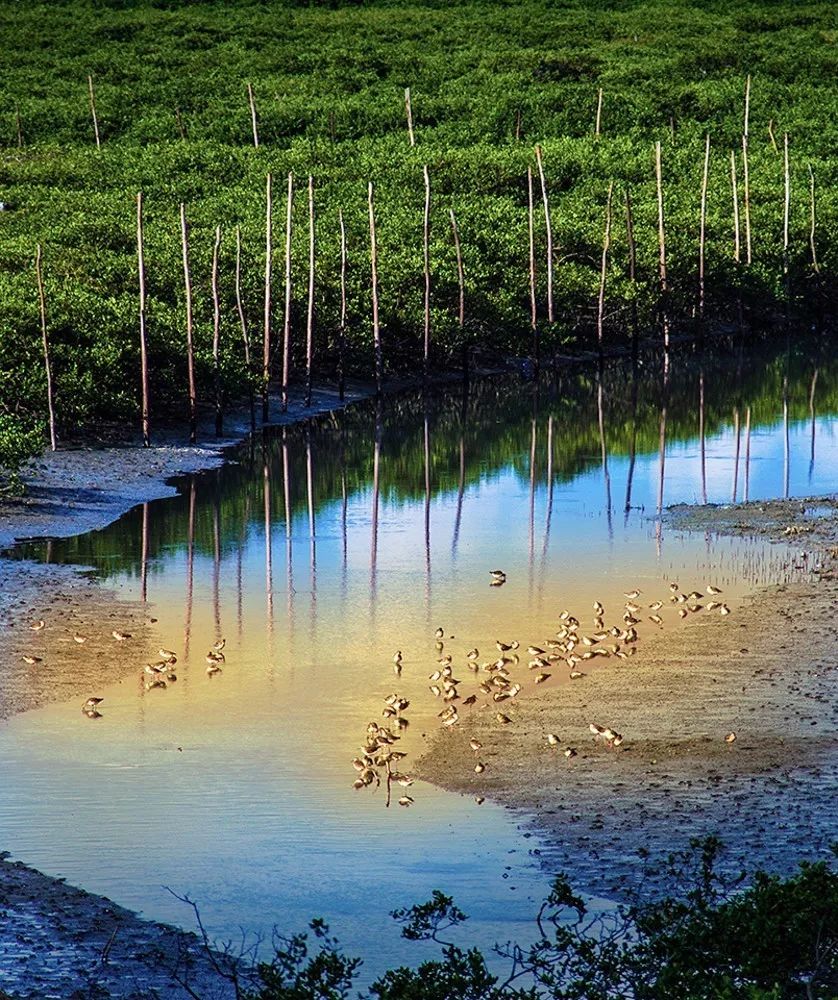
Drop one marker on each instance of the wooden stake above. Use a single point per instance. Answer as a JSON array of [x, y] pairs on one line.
[[812, 220], [531, 235], [747, 105], [243, 324], [266, 329], [376, 330], [409, 112], [426, 248], [216, 335], [747, 194], [701, 238], [662, 248], [286, 329], [606, 245], [19, 128], [342, 331], [190, 352], [786, 206], [632, 249], [517, 124], [42, 302], [735, 190], [180, 125], [598, 112], [253, 120], [93, 110], [310, 310], [549, 235], [143, 342], [461, 312], [747, 453]]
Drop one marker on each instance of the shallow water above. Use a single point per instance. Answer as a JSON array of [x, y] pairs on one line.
[[318, 553]]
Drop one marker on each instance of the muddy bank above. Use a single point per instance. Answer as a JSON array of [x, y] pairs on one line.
[[765, 672]]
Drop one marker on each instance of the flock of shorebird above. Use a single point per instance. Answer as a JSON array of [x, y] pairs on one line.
[[570, 647], [158, 674]]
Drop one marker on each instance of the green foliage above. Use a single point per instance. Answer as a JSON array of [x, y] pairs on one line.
[[711, 939], [170, 84]]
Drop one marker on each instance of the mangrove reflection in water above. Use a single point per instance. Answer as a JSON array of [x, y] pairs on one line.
[[237, 788]]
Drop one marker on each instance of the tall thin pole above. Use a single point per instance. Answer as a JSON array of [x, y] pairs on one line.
[[426, 258], [632, 249], [342, 331], [531, 236], [786, 208], [703, 229], [747, 453], [310, 309], [266, 329], [662, 248], [190, 350], [19, 127], [598, 130], [734, 186], [702, 436], [286, 329], [243, 324], [42, 302], [409, 112], [376, 330], [143, 342], [461, 312], [549, 235], [747, 198], [216, 335], [606, 245], [93, 110], [253, 121], [737, 438], [812, 220]]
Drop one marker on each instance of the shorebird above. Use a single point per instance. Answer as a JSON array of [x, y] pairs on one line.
[[80, 639], [596, 729], [406, 800], [503, 719], [32, 659], [656, 606], [479, 768], [504, 647], [632, 595], [535, 651], [540, 678], [570, 752], [724, 610], [497, 573], [397, 656], [475, 745], [656, 619], [576, 674], [213, 668], [552, 739], [730, 738], [38, 625], [121, 636], [219, 644], [472, 698], [440, 633], [92, 703], [214, 657], [167, 654], [473, 654], [713, 590]]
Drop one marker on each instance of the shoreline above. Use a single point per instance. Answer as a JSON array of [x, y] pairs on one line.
[[764, 672]]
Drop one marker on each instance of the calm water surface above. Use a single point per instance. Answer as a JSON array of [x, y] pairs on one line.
[[320, 551]]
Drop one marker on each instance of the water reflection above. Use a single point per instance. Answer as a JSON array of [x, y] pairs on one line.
[[400, 508]]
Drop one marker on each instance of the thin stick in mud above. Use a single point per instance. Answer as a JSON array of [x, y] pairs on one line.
[[426, 266], [461, 312], [310, 305], [142, 320], [93, 111], [190, 349], [662, 249], [266, 329], [549, 228], [606, 245], [216, 335], [812, 244], [342, 328], [703, 227], [598, 127], [286, 326], [531, 235], [243, 325], [42, 303], [409, 112], [253, 119], [734, 186], [376, 328]]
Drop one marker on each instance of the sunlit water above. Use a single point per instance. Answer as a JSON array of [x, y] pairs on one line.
[[382, 524]]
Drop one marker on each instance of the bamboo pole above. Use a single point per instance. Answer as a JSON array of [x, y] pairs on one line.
[[253, 121], [662, 248], [597, 130], [549, 235], [42, 302], [342, 330], [737, 249], [531, 235], [703, 231], [632, 250], [409, 112], [426, 259], [461, 312], [786, 208], [606, 245], [190, 351], [93, 110], [812, 244], [143, 341], [216, 335], [286, 329], [376, 330], [310, 307], [243, 324], [747, 198], [266, 329]]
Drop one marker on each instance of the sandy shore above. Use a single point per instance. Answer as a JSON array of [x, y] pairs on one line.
[[765, 672]]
